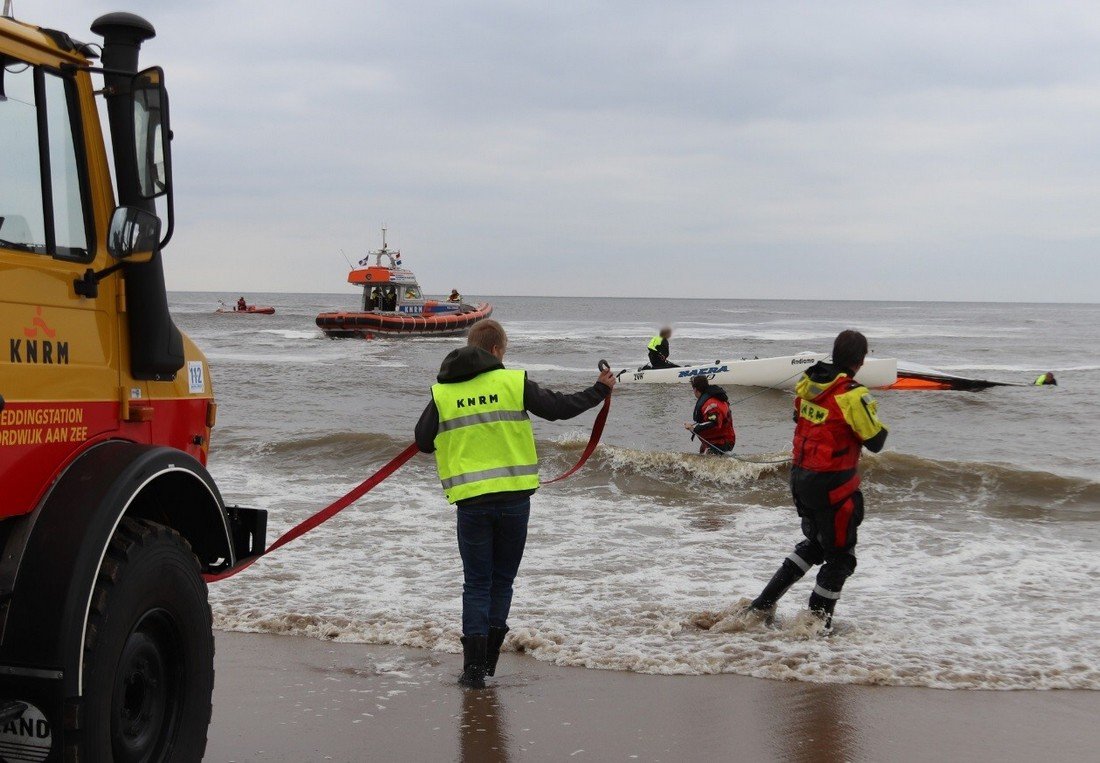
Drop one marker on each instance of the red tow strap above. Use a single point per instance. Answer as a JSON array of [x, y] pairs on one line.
[[593, 441], [376, 479]]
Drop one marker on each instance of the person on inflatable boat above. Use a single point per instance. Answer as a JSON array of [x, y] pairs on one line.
[[712, 418]]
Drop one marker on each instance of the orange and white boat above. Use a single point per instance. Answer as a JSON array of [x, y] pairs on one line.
[[393, 304]]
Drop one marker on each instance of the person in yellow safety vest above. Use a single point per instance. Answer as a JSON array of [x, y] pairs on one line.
[[477, 425], [658, 350], [1046, 380], [455, 296]]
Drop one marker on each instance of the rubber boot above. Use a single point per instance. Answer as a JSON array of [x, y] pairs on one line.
[[492, 654], [473, 662], [786, 576], [823, 607]]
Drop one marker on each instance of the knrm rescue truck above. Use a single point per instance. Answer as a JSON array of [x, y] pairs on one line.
[[108, 516]]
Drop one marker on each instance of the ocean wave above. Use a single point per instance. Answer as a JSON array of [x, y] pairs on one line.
[[519, 363], [992, 487], [686, 469], [331, 448], [266, 359], [294, 333], [897, 481], [894, 481]]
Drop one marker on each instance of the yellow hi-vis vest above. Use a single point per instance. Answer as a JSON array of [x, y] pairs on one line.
[[655, 342], [485, 442]]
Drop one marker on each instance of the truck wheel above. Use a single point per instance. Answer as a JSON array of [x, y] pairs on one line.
[[148, 650]]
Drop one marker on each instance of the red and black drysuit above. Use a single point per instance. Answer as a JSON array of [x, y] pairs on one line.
[[835, 419], [714, 421]]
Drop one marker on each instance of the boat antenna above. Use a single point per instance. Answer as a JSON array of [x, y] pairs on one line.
[[350, 266], [383, 237]]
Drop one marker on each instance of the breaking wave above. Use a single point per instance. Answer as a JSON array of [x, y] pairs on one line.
[[896, 481], [899, 481]]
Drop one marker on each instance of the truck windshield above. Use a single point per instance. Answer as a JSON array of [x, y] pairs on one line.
[[21, 220], [32, 97]]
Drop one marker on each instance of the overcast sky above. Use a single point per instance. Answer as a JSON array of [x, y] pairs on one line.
[[866, 150]]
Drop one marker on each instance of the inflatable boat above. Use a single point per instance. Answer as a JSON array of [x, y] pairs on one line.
[[777, 373], [366, 324], [393, 304], [249, 310]]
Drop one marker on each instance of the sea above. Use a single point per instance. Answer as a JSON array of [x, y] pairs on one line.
[[978, 561]]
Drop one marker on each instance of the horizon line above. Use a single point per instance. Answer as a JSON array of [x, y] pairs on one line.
[[694, 298]]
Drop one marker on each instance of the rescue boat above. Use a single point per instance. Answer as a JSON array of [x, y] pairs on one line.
[[778, 373], [393, 304]]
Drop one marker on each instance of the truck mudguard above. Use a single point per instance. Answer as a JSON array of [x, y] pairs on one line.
[[46, 592]]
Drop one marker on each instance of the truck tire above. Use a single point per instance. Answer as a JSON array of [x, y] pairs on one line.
[[148, 650]]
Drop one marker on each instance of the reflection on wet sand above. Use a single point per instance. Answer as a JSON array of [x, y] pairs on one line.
[[815, 724], [483, 732]]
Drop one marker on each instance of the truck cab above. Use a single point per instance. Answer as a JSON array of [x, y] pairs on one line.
[[108, 516]]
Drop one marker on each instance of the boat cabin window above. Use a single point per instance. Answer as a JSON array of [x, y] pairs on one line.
[[412, 292], [387, 298]]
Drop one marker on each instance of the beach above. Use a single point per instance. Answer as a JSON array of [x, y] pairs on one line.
[[286, 698]]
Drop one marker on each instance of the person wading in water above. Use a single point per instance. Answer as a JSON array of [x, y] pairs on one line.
[[712, 418], [477, 426], [836, 418]]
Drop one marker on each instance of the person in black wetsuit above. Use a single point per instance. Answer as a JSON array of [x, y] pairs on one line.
[[659, 350]]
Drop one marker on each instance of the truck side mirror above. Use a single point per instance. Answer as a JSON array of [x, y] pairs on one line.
[[152, 134], [134, 235]]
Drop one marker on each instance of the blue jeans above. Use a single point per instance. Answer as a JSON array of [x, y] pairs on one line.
[[491, 539]]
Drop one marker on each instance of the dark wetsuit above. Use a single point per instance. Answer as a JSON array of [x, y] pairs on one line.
[[658, 354]]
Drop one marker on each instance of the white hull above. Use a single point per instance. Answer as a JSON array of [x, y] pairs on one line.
[[779, 373]]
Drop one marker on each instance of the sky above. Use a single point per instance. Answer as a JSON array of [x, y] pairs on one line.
[[803, 150]]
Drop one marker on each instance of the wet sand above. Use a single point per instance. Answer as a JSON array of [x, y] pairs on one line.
[[281, 698]]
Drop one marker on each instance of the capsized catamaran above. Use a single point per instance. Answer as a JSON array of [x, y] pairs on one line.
[[777, 373], [918, 377]]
